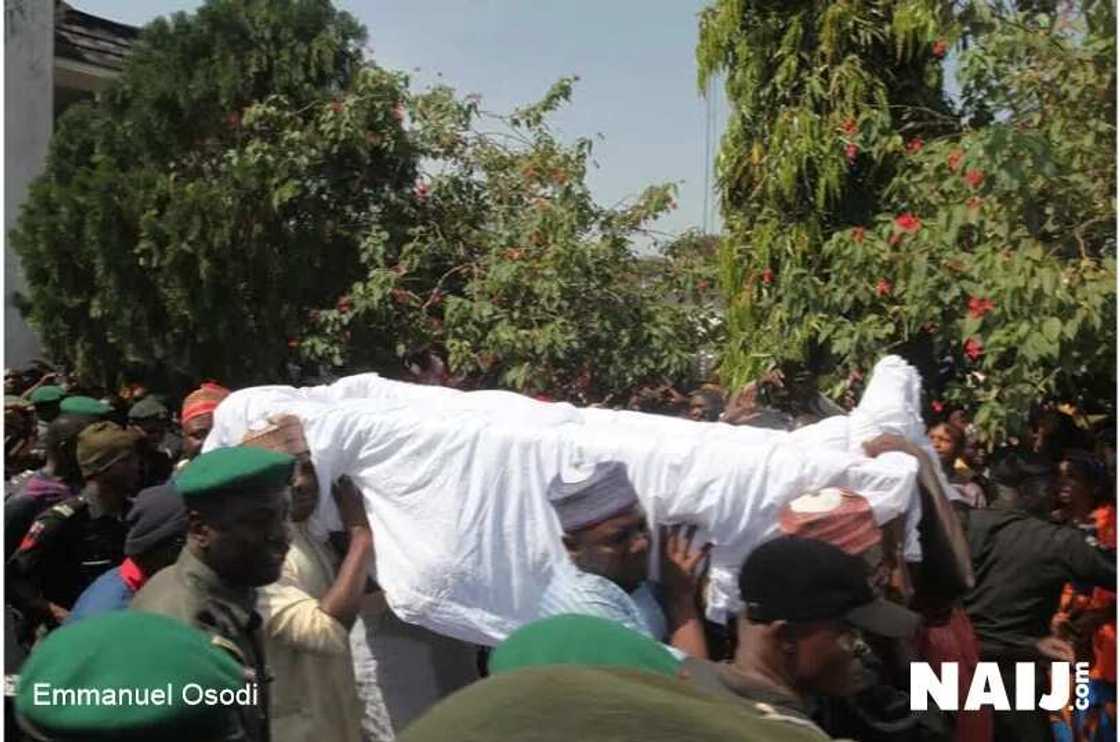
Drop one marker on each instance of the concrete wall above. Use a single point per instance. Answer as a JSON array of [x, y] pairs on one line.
[[28, 119]]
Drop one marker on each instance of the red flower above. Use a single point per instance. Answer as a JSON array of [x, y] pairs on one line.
[[702, 286], [858, 234], [849, 126], [974, 178], [344, 304], [955, 158], [914, 146], [421, 191], [978, 307], [768, 276], [233, 120], [939, 48], [908, 222], [937, 406], [851, 151], [973, 203], [973, 348], [293, 343], [884, 287]]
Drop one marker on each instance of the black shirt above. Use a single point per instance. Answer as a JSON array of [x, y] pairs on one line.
[[1021, 564], [67, 547]]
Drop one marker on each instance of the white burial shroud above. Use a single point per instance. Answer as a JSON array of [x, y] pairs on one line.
[[455, 482]]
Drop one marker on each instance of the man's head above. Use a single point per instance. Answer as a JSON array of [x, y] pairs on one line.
[[157, 528], [107, 457], [605, 530], [238, 505], [284, 433], [705, 405], [47, 400], [197, 417], [1024, 481], [61, 444], [806, 602], [149, 418]]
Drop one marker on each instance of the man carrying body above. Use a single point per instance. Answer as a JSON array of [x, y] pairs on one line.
[[72, 543], [309, 611], [237, 502], [607, 538]]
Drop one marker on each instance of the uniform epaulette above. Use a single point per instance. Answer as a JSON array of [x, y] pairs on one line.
[[67, 508]]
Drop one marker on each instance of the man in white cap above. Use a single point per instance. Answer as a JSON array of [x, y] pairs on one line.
[[607, 538]]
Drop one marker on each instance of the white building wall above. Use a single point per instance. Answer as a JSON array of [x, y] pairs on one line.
[[28, 120]]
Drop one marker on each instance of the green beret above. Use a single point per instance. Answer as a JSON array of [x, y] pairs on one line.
[[84, 406], [581, 640], [46, 394], [148, 408], [141, 652], [232, 469]]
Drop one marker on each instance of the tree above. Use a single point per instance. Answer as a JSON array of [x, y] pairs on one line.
[[224, 184], [249, 195], [510, 269], [868, 214]]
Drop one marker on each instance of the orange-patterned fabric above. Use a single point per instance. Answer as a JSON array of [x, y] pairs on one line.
[[202, 400]]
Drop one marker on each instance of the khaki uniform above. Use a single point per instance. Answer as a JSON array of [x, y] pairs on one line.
[[563, 703], [193, 593]]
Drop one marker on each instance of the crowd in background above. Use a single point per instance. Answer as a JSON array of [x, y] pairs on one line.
[[1018, 565]]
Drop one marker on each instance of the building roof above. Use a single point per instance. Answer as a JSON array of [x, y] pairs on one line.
[[91, 40]]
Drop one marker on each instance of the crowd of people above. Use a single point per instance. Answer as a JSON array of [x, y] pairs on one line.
[[135, 561]]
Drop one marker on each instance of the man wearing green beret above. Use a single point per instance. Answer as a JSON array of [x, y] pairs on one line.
[[238, 503], [129, 675], [47, 400], [149, 418], [70, 544]]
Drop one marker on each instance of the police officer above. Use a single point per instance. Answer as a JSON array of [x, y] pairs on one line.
[[238, 504], [69, 545]]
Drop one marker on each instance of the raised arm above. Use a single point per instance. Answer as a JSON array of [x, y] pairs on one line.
[[946, 568]]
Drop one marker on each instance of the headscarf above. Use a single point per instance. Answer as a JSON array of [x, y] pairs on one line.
[[202, 401]]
